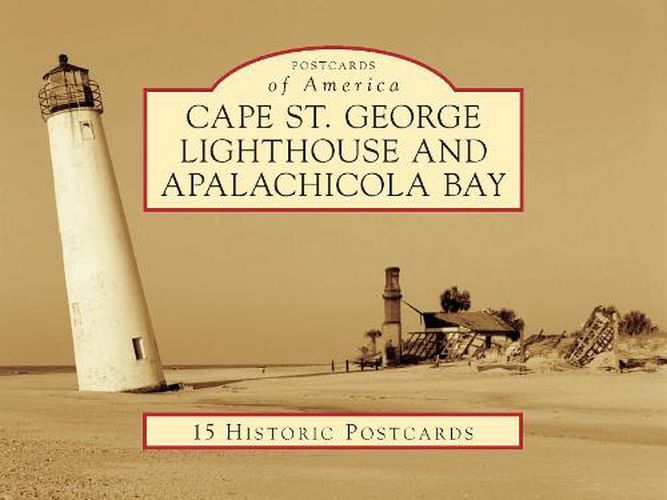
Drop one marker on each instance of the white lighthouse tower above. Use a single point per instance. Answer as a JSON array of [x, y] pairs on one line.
[[114, 345]]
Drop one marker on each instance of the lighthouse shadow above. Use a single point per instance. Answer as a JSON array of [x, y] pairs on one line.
[[219, 383], [214, 383]]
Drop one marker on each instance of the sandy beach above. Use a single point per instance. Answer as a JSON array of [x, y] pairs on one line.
[[589, 434]]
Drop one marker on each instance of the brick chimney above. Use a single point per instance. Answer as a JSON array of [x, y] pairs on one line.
[[391, 328]]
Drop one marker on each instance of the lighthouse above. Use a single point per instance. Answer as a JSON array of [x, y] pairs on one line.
[[114, 344]]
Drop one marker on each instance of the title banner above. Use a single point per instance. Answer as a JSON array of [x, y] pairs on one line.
[[333, 430], [333, 129]]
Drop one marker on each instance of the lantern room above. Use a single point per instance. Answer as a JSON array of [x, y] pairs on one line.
[[68, 87]]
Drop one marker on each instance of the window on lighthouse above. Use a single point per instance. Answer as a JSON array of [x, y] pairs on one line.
[[87, 131], [138, 345]]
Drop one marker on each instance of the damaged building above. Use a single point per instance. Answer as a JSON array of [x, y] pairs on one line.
[[476, 335], [453, 336], [445, 336]]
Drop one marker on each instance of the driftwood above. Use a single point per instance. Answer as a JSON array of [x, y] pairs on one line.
[[626, 364]]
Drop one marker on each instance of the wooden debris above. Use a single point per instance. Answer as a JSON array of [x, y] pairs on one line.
[[446, 347], [644, 364], [596, 336]]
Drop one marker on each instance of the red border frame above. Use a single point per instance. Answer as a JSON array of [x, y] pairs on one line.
[[310, 209], [332, 414]]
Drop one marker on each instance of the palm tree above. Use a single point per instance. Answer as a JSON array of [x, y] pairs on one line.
[[373, 335], [452, 300]]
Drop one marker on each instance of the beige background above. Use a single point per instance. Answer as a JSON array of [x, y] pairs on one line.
[[278, 288]]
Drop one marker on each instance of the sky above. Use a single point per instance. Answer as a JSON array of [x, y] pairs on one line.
[[290, 288]]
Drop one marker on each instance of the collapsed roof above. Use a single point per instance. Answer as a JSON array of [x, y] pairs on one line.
[[476, 321]]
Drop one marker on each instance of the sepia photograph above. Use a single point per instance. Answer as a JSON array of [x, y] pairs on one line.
[[317, 250]]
